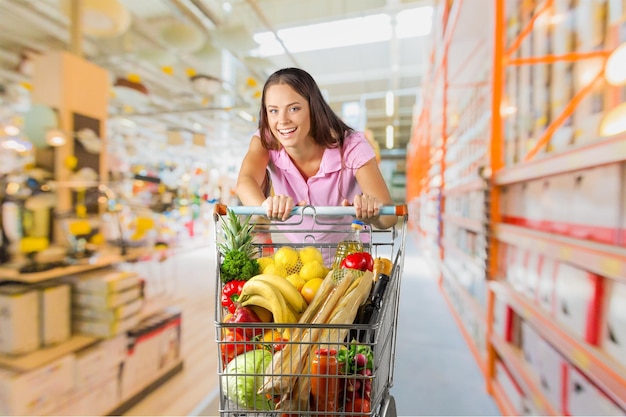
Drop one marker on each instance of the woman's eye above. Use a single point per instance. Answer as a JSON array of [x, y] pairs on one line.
[[294, 109], [272, 111]]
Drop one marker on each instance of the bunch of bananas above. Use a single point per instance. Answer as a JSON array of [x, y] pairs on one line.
[[276, 294]]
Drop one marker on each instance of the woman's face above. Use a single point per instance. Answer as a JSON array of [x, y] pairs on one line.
[[288, 115]]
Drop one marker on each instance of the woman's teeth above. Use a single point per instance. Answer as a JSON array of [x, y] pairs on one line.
[[286, 131]]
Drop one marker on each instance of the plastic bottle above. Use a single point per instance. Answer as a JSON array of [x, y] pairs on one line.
[[351, 244], [325, 381]]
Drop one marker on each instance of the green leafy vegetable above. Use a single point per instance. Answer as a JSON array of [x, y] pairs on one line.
[[356, 358], [237, 266], [244, 376]]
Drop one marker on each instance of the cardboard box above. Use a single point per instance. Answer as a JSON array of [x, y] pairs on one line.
[[36, 392], [20, 319], [533, 262], [106, 282], [583, 398], [578, 297], [55, 313], [596, 204], [117, 313], [545, 288], [551, 369], [510, 387], [105, 329], [556, 203], [103, 301], [613, 323]]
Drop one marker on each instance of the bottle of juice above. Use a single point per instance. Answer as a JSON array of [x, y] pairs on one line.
[[324, 381], [351, 244]]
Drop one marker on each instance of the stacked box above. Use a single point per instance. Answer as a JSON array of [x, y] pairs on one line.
[[36, 392], [106, 303], [55, 313], [19, 319], [153, 348]]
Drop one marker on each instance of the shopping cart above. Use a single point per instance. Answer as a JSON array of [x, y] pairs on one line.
[[377, 338]]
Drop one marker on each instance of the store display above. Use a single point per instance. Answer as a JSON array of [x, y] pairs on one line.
[[531, 257]]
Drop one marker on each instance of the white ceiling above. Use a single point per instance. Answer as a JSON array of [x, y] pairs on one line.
[[360, 73]]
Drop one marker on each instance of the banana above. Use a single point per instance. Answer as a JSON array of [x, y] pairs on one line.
[[263, 294], [291, 293]]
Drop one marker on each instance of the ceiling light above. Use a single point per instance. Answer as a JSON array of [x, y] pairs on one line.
[[246, 116], [346, 32], [11, 130], [55, 138], [389, 98], [235, 38], [389, 137], [615, 67], [614, 122]]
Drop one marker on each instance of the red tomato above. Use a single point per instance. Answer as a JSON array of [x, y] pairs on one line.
[[361, 261], [359, 405]]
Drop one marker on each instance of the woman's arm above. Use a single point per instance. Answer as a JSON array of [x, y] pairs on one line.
[[252, 174], [375, 194]]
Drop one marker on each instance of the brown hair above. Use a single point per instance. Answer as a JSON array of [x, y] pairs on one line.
[[327, 129]]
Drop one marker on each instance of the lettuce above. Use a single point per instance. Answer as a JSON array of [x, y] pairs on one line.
[[244, 376]]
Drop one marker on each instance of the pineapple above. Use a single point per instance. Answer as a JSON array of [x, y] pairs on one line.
[[237, 251]]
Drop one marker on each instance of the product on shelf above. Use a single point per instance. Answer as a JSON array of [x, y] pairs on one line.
[[20, 319]]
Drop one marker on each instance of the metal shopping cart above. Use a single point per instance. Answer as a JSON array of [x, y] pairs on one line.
[[241, 386]]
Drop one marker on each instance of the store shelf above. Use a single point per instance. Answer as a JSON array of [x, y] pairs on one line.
[[602, 152], [102, 260], [598, 367], [530, 386], [479, 356], [475, 184], [478, 310], [46, 355], [135, 398], [606, 260], [474, 225], [464, 256], [503, 402]]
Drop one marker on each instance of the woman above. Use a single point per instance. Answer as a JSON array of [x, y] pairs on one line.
[[312, 156]]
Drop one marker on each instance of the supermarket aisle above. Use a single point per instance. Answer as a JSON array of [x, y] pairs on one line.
[[435, 372]]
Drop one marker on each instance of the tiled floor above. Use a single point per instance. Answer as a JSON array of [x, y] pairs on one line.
[[435, 373]]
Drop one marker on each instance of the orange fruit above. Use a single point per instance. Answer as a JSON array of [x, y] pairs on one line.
[[309, 289]]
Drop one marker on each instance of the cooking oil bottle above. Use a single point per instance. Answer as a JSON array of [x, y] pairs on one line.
[[351, 244]]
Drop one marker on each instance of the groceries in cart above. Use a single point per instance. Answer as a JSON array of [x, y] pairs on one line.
[[295, 334]]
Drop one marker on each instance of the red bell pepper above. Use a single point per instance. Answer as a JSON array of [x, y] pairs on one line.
[[361, 261], [230, 294], [234, 343]]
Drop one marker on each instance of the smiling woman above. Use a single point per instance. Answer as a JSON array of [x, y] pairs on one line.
[[312, 156]]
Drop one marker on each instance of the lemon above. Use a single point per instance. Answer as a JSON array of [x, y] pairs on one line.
[[309, 254], [264, 262], [274, 269], [296, 280], [288, 258], [309, 289], [313, 269]]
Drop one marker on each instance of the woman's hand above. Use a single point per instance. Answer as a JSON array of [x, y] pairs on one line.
[[366, 207], [279, 207]]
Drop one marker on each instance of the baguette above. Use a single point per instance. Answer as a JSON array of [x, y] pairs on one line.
[[288, 363], [346, 309]]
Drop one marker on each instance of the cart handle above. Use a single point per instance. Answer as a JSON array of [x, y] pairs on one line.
[[221, 209]]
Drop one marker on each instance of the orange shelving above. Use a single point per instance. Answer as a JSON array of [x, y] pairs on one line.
[[478, 139]]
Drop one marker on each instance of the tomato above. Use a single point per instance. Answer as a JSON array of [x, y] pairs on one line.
[[234, 344], [359, 405], [361, 261]]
